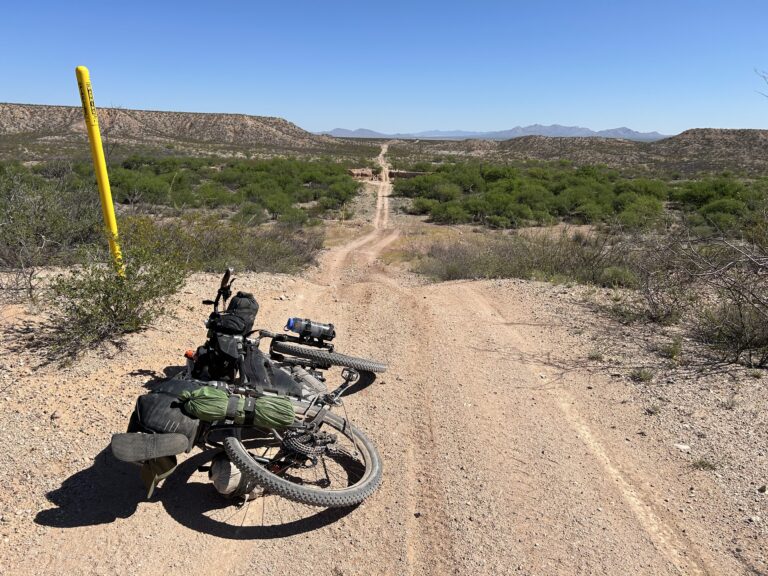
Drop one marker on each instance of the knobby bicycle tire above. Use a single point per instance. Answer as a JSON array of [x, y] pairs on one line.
[[369, 480], [332, 358]]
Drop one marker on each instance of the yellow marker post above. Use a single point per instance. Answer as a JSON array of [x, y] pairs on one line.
[[99, 165]]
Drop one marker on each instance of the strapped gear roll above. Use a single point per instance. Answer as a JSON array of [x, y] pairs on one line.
[[211, 404]]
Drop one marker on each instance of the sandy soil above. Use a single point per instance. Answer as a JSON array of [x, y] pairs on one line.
[[501, 455]]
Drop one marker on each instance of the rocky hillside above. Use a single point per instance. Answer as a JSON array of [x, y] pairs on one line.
[[691, 152], [36, 130]]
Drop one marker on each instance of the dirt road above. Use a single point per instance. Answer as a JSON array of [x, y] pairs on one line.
[[500, 457]]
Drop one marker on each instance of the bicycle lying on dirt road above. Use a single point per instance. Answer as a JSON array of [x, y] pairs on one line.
[[267, 416]]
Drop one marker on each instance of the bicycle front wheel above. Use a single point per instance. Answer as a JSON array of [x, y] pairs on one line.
[[329, 358]]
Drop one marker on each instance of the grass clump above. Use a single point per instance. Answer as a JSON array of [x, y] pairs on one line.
[[704, 464], [673, 349], [641, 375]]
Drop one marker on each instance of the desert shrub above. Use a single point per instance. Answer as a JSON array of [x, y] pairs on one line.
[[618, 277], [93, 303], [42, 222], [450, 213], [277, 185], [566, 257], [421, 206], [293, 217], [250, 214], [209, 243], [643, 187], [508, 197], [736, 329], [665, 292], [640, 213]]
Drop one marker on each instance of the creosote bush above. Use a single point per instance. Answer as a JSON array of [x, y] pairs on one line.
[[42, 223], [595, 259], [92, 302], [736, 330]]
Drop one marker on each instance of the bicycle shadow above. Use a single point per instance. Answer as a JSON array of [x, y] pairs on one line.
[[191, 502], [365, 380], [156, 378], [110, 489], [100, 494]]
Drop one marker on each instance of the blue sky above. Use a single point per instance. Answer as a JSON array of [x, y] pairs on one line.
[[402, 66]]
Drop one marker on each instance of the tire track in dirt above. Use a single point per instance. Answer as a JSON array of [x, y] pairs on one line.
[[426, 406], [665, 536], [427, 539]]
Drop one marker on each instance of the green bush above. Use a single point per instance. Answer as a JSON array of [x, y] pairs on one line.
[[737, 330], [507, 197], [42, 223], [422, 206], [93, 303], [544, 257], [618, 277], [641, 213], [277, 185], [450, 213]]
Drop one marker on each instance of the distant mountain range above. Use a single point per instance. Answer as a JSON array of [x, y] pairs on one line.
[[555, 130], [39, 132]]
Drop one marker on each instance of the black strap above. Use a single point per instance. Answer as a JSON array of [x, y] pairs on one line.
[[232, 405], [249, 409]]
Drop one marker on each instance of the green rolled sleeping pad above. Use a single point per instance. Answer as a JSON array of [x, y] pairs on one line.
[[215, 405]]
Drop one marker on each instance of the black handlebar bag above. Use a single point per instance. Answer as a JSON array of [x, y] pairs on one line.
[[239, 316]]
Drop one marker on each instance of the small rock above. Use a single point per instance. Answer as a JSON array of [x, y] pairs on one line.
[[417, 514], [755, 519], [683, 447], [762, 489], [55, 415]]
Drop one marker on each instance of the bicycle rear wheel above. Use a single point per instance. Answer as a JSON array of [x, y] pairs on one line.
[[314, 471]]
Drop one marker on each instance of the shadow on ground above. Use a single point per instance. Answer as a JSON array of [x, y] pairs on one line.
[[111, 489], [194, 504], [155, 378], [108, 490]]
